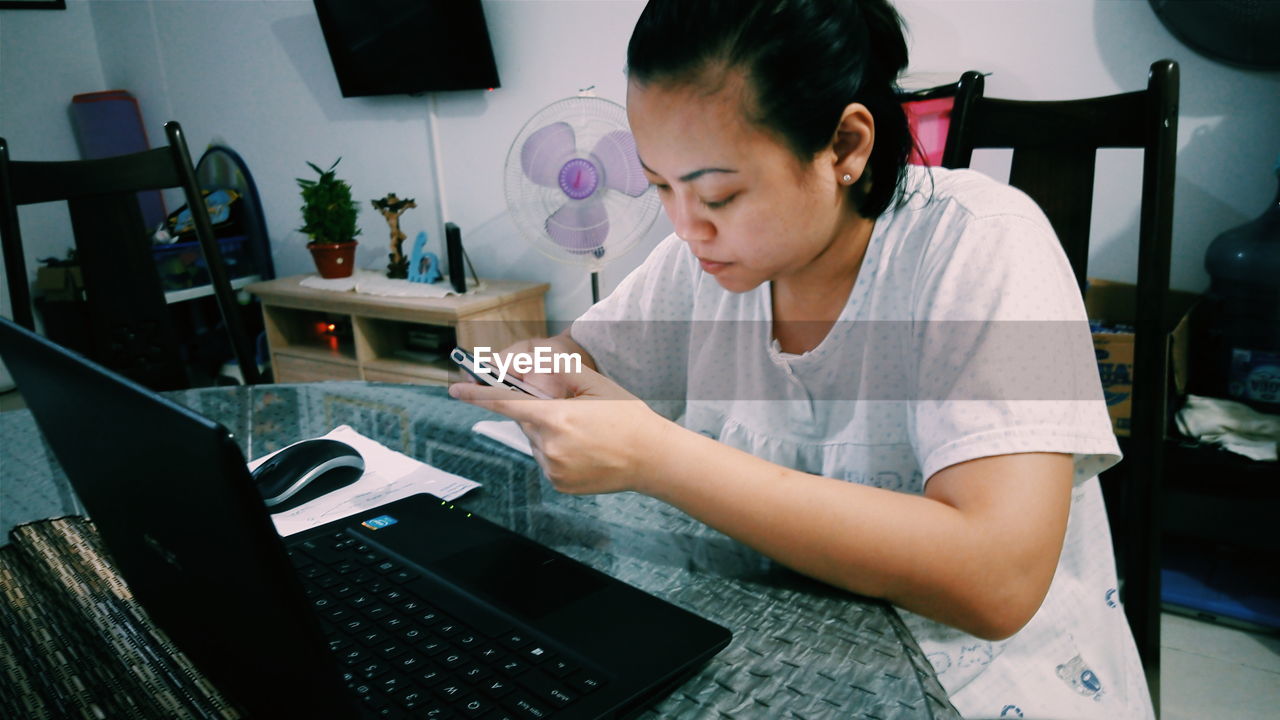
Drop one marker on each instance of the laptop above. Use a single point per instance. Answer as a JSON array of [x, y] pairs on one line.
[[412, 609]]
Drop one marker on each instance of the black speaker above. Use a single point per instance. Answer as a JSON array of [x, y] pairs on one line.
[[453, 246]]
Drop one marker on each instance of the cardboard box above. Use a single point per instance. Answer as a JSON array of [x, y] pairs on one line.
[[60, 284], [1115, 303]]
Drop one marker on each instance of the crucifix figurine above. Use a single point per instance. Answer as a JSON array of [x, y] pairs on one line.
[[392, 208]]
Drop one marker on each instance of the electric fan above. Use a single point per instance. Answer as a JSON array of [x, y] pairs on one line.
[[574, 185]]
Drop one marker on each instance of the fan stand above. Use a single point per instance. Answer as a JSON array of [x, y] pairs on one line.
[[598, 254]]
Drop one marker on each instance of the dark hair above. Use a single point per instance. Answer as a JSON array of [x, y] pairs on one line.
[[805, 60]]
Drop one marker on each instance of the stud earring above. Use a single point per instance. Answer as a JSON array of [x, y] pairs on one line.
[[846, 179]]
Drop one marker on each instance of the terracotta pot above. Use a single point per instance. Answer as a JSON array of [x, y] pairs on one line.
[[334, 260]]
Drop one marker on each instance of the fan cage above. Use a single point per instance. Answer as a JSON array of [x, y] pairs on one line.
[[531, 204]]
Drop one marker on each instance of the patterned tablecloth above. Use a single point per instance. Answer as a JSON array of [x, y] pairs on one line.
[[801, 649]]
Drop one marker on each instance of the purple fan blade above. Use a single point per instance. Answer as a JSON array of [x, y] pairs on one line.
[[545, 151], [617, 154], [579, 227]]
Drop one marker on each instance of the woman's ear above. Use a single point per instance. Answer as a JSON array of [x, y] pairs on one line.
[[852, 143]]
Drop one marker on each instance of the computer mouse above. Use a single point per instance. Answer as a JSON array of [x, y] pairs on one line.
[[306, 470]]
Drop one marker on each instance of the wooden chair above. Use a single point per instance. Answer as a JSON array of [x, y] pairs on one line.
[[1055, 147], [130, 325]]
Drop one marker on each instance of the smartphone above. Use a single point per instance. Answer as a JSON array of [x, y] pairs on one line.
[[468, 363]]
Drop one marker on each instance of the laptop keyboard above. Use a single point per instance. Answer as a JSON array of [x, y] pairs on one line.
[[405, 658]]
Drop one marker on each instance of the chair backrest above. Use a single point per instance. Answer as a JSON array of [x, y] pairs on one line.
[[130, 324], [1055, 146]]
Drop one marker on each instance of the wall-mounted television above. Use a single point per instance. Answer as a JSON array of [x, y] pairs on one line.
[[393, 47]]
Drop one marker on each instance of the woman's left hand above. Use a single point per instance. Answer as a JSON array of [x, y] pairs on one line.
[[597, 439]]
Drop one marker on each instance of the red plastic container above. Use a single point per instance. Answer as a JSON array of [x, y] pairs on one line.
[[929, 120]]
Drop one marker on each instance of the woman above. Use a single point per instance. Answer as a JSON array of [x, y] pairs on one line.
[[876, 375]]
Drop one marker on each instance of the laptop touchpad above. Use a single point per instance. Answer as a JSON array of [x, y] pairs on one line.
[[521, 577]]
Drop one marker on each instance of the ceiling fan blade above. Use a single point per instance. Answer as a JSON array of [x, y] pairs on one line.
[[545, 151], [579, 227], [622, 170]]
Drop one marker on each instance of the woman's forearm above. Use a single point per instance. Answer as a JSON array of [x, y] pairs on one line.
[[976, 552], [919, 553]]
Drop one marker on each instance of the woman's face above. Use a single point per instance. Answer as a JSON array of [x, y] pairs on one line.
[[748, 209]]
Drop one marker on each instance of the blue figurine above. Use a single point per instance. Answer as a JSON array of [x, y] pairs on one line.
[[424, 267]]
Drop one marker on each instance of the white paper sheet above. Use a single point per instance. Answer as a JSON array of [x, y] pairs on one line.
[[507, 432], [388, 476]]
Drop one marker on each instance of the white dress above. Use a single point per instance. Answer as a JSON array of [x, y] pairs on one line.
[[964, 336]]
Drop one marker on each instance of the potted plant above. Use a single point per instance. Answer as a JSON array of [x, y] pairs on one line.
[[329, 221]]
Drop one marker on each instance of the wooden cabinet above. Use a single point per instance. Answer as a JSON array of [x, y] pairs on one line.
[[328, 335]]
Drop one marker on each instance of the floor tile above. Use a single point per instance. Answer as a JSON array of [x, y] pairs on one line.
[[1256, 650], [1198, 687]]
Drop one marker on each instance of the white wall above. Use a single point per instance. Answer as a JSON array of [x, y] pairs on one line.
[[1228, 129], [256, 75], [546, 50]]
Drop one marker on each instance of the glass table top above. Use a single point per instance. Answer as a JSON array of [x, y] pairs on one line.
[[800, 648]]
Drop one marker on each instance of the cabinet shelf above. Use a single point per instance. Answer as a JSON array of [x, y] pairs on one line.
[[338, 357], [427, 373], [330, 335]]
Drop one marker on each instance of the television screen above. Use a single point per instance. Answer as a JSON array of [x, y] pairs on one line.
[[392, 47]]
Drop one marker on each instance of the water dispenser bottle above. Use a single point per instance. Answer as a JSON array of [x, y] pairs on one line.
[[1243, 306]]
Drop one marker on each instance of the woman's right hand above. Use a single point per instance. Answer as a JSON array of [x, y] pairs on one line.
[[594, 438], [552, 384]]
